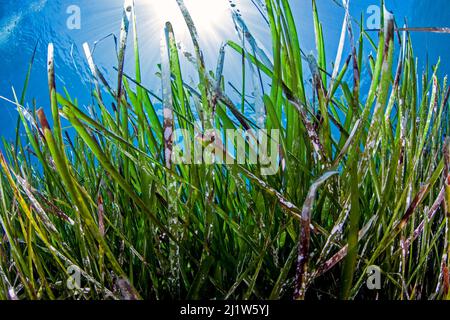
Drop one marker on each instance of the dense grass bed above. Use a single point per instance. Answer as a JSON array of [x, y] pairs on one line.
[[363, 177]]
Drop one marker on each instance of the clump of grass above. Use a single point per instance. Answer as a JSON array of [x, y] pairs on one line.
[[364, 178]]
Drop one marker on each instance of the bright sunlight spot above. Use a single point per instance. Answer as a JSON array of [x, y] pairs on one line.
[[211, 17]]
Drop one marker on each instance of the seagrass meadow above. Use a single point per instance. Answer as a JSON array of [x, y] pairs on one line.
[[92, 207]]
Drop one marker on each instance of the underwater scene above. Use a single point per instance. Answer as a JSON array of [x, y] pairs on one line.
[[224, 150]]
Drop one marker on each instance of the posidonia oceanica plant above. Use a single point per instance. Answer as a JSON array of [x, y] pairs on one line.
[[93, 205]]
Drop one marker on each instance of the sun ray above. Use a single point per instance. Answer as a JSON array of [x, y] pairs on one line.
[[212, 18]]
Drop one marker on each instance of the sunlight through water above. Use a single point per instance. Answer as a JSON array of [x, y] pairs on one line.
[[212, 18], [28, 23]]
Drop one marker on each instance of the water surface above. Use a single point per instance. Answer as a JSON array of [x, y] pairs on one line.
[[27, 23]]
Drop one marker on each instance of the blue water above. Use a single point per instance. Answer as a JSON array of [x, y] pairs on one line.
[[25, 23]]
